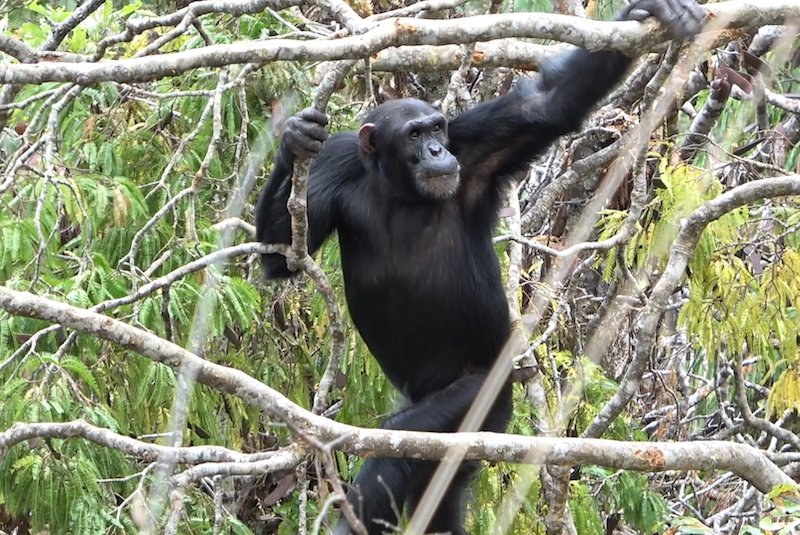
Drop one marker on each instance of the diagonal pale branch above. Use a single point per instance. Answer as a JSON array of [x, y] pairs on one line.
[[741, 459], [593, 35]]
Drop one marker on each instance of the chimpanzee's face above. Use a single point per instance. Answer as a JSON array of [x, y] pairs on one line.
[[410, 139]]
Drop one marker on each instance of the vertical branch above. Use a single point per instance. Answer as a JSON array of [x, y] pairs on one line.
[[297, 204], [555, 488], [514, 253], [457, 91], [337, 335], [218, 504], [301, 473], [297, 256]]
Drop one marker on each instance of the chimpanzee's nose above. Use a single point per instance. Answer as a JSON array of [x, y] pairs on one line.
[[435, 149]]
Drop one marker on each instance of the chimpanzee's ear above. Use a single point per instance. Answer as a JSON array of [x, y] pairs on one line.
[[365, 135]]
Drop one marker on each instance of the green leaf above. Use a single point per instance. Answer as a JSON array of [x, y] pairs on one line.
[[80, 369]]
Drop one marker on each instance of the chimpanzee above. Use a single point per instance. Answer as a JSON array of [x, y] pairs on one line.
[[415, 199]]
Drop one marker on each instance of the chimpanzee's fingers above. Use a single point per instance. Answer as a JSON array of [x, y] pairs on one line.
[[683, 18], [302, 145], [695, 15], [306, 128], [638, 14], [686, 17], [313, 115]]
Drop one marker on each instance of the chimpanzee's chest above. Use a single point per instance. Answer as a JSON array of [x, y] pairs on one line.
[[423, 287], [424, 252]]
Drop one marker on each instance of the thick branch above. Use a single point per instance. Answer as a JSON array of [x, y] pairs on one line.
[[593, 35], [741, 459], [502, 52]]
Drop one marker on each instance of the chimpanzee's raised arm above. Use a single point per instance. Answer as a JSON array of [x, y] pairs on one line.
[[498, 138], [501, 137]]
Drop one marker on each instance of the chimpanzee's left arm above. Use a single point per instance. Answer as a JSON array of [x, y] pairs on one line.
[[499, 138]]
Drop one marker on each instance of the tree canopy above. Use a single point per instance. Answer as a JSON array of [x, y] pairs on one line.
[[151, 381]]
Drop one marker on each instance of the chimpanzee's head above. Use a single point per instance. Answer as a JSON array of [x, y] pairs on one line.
[[407, 140]]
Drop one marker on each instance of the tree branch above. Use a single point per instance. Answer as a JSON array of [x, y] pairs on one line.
[[499, 53], [745, 461], [593, 35], [681, 252], [139, 449]]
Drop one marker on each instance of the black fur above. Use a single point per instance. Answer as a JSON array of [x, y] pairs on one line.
[[422, 282]]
